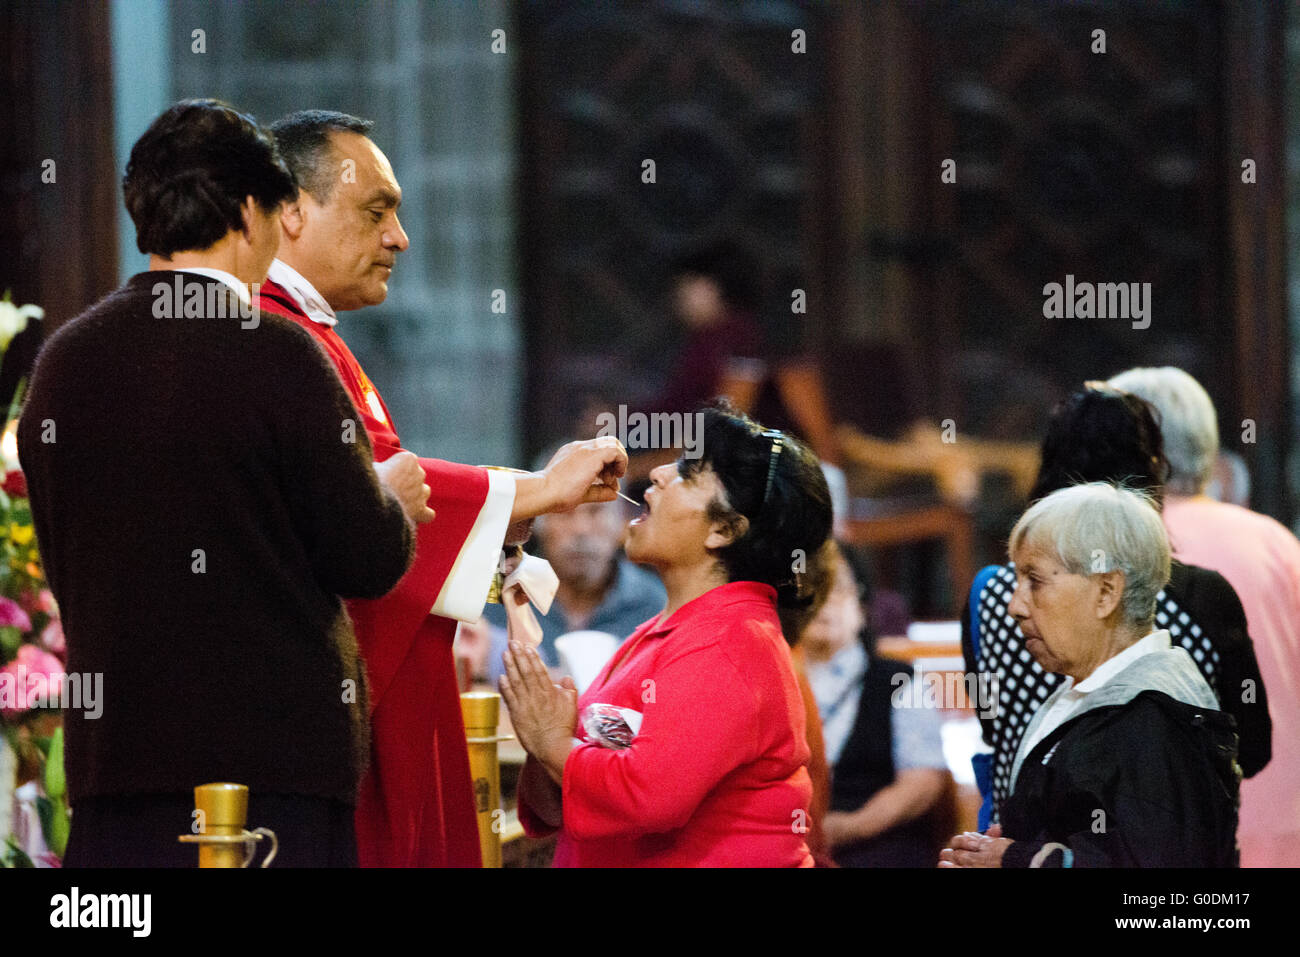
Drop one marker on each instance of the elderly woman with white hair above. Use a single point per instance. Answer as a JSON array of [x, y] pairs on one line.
[[1260, 558], [1130, 762]]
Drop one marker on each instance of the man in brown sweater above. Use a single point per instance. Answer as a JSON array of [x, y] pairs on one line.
[[202, 498]]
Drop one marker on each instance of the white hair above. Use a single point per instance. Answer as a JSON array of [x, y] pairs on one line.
[[1187, 420], [1096, 528]]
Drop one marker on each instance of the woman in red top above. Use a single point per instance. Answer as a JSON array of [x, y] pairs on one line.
[[689, 748]]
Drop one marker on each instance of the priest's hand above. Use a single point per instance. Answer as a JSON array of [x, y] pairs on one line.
[[580, 472], [402, 475], [542, 713]]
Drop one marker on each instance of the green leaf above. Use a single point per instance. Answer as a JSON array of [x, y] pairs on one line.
[[15, 857], [10, 639], [17, 404], [60, 827], [55, 784], [45, 810]]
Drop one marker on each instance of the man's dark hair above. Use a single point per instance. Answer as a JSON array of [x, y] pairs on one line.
[[1102, 435], [189, 173], [785, 523], [304, 141]]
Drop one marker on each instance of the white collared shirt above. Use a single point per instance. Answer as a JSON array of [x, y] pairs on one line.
[[1074, 696], [837, 687], [241, 289], [303, 292]]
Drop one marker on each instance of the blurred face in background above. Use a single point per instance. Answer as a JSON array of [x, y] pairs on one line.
[[699, 301], [582, 545], [841, 619]]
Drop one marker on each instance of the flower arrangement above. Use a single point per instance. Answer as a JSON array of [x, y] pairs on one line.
[[34, 817]]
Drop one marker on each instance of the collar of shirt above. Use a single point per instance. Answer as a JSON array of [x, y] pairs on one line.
[[241, 290], [831, 680], [1156, 641], [713, 600], [303, 292]]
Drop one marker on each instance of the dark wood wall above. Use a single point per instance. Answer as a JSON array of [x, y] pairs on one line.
[[717, 96], [59, 245], [1123, 166], [926, 298]]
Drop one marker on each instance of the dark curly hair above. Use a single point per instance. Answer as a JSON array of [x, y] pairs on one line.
[[1101, 434], [779, 528], [189, 173]]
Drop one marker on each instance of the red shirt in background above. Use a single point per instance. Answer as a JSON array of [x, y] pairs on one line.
[[716, 775]]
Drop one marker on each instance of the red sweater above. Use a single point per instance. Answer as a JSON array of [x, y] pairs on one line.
[[716, 775]]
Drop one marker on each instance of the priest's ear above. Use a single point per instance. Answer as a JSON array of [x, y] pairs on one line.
[[292, 220]]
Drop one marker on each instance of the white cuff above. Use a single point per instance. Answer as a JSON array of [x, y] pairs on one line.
[[464, 593]]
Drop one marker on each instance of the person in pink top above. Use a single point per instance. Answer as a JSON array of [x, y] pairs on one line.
[[689, 748], [1260, 558]]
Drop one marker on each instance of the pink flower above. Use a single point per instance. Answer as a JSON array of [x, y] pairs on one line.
[[52, 638], [29, 681], [41, 601], [12, 615]]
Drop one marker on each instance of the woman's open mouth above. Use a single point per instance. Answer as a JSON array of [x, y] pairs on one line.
[[642, 515]]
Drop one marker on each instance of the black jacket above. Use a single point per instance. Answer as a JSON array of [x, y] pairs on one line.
[[1200, 610], [1149, 783]]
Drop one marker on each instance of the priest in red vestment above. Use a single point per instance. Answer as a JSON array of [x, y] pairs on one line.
[[340, 240]]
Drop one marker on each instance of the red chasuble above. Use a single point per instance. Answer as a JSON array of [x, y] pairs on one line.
[[416, 805]]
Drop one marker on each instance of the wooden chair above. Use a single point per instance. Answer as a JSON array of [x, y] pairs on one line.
[[953, 468]]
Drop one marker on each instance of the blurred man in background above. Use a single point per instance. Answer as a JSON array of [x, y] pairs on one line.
[[599, 590]]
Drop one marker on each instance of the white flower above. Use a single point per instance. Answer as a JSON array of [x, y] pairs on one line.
[[13, 320]]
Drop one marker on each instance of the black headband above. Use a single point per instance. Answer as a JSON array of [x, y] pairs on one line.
[[777, 438]]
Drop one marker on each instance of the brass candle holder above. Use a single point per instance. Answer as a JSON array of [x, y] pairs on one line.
[[220, 812], [481, 711]]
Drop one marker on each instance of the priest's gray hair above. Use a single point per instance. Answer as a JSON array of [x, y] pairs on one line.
[[1187, 420], [1096, 528]]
